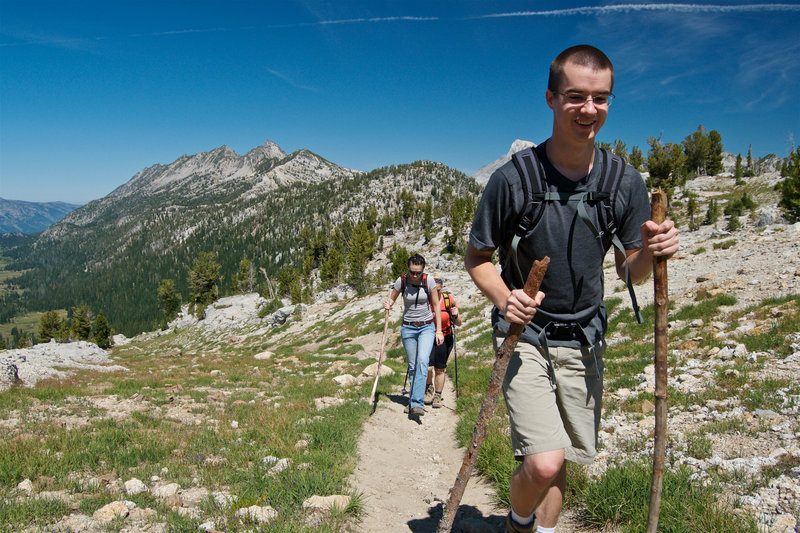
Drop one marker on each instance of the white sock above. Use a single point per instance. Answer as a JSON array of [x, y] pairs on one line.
[[521, 520], [540, 529]]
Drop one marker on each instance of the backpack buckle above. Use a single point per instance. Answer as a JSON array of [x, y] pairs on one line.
[[562, 331]]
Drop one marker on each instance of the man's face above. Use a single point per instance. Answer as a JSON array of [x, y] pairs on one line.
[[579, 122]]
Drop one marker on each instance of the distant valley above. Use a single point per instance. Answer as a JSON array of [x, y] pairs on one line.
[[17, 216]]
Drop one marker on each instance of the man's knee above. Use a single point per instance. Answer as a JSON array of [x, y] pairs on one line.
[[543, 467]]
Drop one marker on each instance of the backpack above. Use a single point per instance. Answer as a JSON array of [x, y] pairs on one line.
[[532, 176], [424, 285], [447, 303]]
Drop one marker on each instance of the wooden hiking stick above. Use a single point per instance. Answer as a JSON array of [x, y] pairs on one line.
[[380, 358], [455, 354], [503, 355], [658, 214]]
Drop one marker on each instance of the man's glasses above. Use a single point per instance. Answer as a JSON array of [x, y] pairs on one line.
[[580, 99], [413, 273]]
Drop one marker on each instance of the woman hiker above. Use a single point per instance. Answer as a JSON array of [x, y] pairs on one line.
[[441, 352], [418, 331]]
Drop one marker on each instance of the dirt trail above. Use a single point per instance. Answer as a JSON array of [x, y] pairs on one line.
[[406, 469]]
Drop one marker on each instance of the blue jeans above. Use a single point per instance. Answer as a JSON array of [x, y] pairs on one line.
[[418, 342]]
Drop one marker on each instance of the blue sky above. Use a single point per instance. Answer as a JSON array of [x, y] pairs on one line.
[[92, 92]]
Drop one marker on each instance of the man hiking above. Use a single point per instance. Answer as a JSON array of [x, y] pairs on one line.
[[553, 387]]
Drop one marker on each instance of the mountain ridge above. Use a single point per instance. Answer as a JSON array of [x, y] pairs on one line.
[[113, 252]]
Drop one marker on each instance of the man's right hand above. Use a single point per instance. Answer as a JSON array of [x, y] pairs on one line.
[[520, 308]]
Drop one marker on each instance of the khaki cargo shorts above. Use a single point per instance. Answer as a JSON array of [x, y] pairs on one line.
[[545, 418]]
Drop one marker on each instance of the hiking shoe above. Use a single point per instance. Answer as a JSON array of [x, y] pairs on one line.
[[437, 400], [513, 527], [429, 394], [417, 411]]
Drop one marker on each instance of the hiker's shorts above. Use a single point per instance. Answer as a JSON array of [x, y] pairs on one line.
[[545, 418], [441, 353]]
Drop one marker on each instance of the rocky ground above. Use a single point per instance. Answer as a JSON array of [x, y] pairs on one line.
[[406, 468]]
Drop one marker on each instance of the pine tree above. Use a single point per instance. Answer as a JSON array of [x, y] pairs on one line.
[[790, 188], [712, 214], [691, 211], [244, 280], [733, 223], [696, 147], [620, 149], [81, 323], [398, 255], [362, 245], [203, 280], [737, 170], [49, 325], [169, 301], [101, 331], [637, 160], [713, 161], [63, 332], [664, 162], [330, 270]]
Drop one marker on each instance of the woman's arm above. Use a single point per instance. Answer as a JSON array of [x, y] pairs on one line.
[[387, 304]]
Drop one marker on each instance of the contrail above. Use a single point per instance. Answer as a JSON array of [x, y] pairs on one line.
[[377, 19], [673, 8], [290, 81]]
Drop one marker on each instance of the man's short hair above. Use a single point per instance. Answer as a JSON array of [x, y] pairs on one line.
[[416, 259], [584, 55]]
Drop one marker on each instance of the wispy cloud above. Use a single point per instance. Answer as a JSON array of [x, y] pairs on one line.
[[182, 32], [772, 77], [365, 20], [627, 8], [291, 81], [378, 19]]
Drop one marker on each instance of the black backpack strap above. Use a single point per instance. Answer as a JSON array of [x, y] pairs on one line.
[[613, 170], [531, 176]]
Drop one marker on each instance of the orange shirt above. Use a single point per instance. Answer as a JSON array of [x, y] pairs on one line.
[[446, 327]]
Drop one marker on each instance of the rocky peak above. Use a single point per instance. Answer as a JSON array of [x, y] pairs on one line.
[[485, 172], [268, 150]]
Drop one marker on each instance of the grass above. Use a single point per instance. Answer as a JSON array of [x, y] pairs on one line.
[[724, 245], [27, 323], [777, 337], [215, 383], [272, 403], [706, 309], [621, 497]]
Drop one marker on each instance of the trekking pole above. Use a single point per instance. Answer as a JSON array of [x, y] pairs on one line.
[[380, 358], [658, 214], [455, 355], [503, 355]]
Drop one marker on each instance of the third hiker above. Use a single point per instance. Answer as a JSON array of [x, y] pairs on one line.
[[441, 352]]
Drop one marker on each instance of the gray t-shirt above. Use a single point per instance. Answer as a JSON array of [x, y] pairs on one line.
[[417, 307], [573, 285]]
